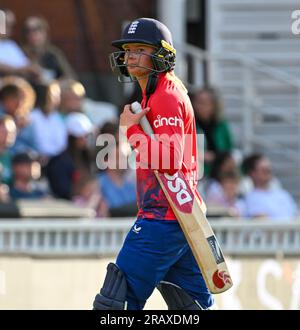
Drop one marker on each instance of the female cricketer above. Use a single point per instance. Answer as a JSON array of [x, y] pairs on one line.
[[155, 253]]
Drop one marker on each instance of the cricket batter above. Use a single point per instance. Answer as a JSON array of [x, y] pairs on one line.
[[155, 252]]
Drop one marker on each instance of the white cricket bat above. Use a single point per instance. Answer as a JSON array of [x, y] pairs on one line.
[[187, 206]]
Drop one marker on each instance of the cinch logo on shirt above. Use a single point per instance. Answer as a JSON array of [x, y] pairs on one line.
[[171, 121], [133, 27]]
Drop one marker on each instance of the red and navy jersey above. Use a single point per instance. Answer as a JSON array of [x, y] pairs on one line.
[[171, 117]]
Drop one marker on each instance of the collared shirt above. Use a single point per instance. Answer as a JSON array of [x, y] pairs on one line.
[[276, 204], [171, 116]]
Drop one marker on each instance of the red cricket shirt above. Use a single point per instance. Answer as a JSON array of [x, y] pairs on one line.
[[172, 119]]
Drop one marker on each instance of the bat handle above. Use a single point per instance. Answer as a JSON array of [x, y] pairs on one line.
[[136, 108]]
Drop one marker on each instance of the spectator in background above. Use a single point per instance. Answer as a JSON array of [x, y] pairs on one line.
[[209, 121], [18, 100], [66, 170], [117, 185], [73, 99], [13, 61], [223, 163], [25, 93], [10, 99], [4, 194], [8, 133], [49, 131], [246, 184], [88, 195], [227, 195], [222, 187], [72, 95], [265, 201], [26, 170], [41, 51]]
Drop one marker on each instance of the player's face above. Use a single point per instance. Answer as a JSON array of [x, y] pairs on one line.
[[138, 59]]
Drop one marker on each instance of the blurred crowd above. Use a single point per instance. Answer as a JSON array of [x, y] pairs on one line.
[[49, 129], [241, 184]]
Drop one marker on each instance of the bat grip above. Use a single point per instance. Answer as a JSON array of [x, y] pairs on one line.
[[136, 108]]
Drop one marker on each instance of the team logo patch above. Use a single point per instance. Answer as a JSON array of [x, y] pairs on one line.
[[216, 250], [167, 121], [179, 192], [133, 27], [221, 278], [136, 229]]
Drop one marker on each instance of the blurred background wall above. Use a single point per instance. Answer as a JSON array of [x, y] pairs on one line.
[[27, 283]]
